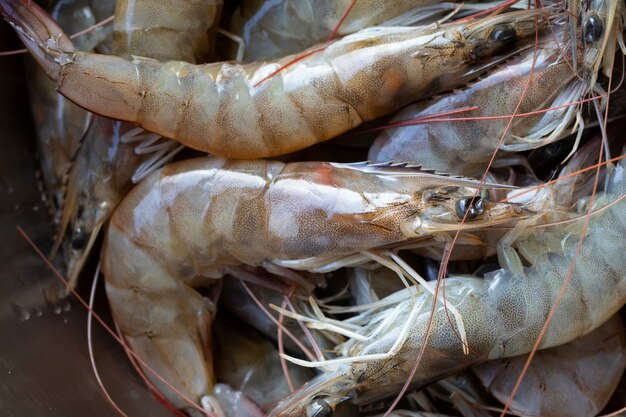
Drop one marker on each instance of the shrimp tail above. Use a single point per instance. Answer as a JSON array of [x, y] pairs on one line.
[[112, 81], [41, 35]]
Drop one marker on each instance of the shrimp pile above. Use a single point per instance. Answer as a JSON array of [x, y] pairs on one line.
[[473, 266]]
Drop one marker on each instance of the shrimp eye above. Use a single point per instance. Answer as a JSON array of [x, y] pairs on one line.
[[473, 208], [593, 29], [319, 408], [503, 34], [79, 238]]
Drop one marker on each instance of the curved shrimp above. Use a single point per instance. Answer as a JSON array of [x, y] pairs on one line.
[[110, 161], [467, 144], [195, 219], [563, 381], [503, 313], [244, 112]]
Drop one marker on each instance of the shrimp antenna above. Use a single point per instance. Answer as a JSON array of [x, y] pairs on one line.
[[92, 357], [74, 36], [304, 349]]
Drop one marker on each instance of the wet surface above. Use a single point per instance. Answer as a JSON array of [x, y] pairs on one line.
[[44, 361]]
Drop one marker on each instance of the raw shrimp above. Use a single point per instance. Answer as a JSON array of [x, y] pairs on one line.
[[61, 124], [503, 314], [194, 219], [100, 176], [243, 111], [563, 381], [271, 29], [468, 144], [110, 159]]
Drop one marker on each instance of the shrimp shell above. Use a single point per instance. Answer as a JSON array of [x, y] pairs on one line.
[[563, 381]]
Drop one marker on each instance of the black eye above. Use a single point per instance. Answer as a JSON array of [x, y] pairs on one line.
[[504, 34], [473, 208], [319, 408], [79, 239], [593, 29]]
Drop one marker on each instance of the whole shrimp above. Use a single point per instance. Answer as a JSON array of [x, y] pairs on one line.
[[245, 112], [563, 380], [195, 219], [468, 144], [503, 313], [271, 29], [110, 160]]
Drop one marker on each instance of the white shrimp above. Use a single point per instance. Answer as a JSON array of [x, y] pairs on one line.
[[503, 314], [194, 220], [247, 111], [468, 144]]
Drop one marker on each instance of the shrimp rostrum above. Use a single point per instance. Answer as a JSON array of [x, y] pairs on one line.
[[503, 314], [197, 219], [252, 111]]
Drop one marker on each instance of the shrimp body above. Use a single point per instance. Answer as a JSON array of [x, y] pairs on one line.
[[194, 219], [236, 111], [563, 381], [166, 30], [503, 313], [545, 78], [100, 176], [467, 145], [278, 28]]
